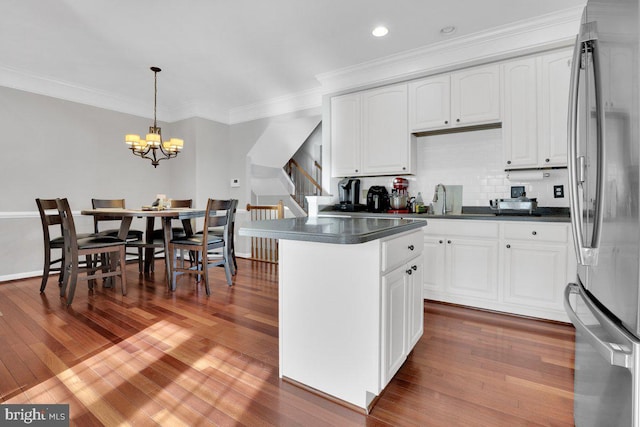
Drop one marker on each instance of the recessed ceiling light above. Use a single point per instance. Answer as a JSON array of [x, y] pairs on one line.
[[380, 31], [448, 30]]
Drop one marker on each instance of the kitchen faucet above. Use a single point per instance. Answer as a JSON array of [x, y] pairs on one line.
[[444, 197]]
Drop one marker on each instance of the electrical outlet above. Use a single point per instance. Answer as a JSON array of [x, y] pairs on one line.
[[558, 191], [517, 191]]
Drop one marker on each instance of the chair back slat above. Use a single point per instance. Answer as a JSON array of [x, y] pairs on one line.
[[68, 225], [105, 203]]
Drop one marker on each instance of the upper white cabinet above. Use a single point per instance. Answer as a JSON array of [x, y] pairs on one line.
[[369, 134], [429, 103], [463, 98], [346, 128], [535, 101]]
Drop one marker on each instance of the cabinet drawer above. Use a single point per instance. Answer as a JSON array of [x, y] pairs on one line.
[[462, 227], [397, 251], [537, 232]]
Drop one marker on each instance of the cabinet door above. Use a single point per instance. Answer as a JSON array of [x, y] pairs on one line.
[[553, 95], [618, 62], [385, 136], [472, 267], [519, 127], [535, 274], [345, 135], [434, 258], [415, 302], [429, 103], [394, 322], [475, 96]]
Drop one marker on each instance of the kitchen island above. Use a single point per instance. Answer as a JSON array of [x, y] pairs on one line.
[[350, 301]]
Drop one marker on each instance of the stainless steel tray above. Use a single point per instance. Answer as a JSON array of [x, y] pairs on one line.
[[521, 204]]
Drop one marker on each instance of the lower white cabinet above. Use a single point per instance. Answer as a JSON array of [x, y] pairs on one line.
[[535, 265], [461, 260], [518, 267], [349, 314], [402, 315]]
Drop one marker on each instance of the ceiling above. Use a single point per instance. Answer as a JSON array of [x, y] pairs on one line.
[[219, 56]]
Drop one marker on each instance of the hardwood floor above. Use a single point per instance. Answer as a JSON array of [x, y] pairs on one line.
[[157, 358]]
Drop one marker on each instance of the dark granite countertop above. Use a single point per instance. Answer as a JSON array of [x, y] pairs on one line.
[[542, 214], [341, 230]]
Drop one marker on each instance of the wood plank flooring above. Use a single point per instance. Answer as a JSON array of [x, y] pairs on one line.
[[160, 358]]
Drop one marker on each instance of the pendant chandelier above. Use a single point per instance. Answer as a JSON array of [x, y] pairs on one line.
[[152, 147]]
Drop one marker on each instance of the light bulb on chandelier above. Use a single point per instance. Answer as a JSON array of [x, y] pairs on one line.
[[152, 147]]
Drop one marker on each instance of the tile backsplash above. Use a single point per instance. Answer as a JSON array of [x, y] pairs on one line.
[[473, 160]]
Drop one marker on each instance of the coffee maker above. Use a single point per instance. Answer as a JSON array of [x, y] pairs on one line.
[[349, 193]]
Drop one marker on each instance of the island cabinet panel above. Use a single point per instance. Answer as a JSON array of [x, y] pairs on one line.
[[349, 314]]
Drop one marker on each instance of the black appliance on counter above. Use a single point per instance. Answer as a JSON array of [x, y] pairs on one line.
[[377, 199], [349, 193]]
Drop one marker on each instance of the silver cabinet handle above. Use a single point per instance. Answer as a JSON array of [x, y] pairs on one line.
[[616, 354]]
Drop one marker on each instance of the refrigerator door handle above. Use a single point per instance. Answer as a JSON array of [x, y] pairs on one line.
[[600, 161], [586, 44], [576, 170], [616, 354]]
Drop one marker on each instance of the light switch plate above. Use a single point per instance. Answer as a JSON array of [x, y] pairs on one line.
[[235, 182]]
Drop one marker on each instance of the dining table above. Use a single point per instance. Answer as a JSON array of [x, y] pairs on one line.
[[166, 215]]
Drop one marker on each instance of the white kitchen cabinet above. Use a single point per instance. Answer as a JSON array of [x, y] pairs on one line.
[[346, 129], [536, 267], [402, 302], [369, 133], [518, 267], [348, 323], [429, 103], [520, 125], [462, 98], [461, 260], [402, 315], [553, 95], [475, 96], [618, 62], [535, 101]]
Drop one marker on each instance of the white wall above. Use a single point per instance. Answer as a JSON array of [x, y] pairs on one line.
[[473, 160], [54, 148]]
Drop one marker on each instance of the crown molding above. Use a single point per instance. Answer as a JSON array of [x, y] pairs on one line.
[[524, 37], [39, 84], [304, 100]]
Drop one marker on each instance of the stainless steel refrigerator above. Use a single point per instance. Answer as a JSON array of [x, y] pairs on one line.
[[604, 191]]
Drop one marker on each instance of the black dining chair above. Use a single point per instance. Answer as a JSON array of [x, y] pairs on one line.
[[155, 244], [50, 221], [134, 237], [76, 247], [220, 213]]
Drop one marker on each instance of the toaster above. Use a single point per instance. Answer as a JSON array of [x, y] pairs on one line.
[[377, 199]]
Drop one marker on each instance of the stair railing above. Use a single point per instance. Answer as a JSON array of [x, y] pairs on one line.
[[304, 183], [262, 248]]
